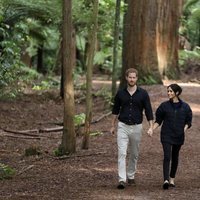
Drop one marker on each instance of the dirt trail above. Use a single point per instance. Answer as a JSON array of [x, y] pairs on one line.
[[91, 174]]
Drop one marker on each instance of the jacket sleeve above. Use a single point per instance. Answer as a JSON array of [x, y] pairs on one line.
[[160, 113], [147, 107], [116, 105], [188, 120]]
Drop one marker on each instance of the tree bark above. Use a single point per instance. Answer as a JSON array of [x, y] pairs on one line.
[[150, 40], [139, 47], [68, 144], [40, 65], [167, 39], [115, 47], [89, 63]]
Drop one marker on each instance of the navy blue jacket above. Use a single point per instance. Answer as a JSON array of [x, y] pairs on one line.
[[173, 120]]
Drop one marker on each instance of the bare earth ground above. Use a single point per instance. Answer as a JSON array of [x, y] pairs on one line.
[[90, 174]]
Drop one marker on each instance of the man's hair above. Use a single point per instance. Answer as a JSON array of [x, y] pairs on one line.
[[176, 88], [131, 70]]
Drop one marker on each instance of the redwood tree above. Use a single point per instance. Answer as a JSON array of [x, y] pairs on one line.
[[169, 13], [150, 41]]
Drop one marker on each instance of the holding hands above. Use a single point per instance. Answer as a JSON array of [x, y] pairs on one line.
[[150, 132]]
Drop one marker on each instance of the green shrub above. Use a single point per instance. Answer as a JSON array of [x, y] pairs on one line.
[[6, 172], [32, 151]]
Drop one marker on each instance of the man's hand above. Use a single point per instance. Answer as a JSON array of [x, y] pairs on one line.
[[112, 130], [150, 132]]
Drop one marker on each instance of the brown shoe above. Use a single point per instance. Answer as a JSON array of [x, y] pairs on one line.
[[121, 185], [131, 182]]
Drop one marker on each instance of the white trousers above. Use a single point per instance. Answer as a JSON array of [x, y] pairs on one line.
[[128, 135]]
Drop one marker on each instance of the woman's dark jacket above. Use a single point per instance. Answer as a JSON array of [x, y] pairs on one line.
[[173, 120]]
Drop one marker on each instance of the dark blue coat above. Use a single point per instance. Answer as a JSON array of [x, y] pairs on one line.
[[173, 120]]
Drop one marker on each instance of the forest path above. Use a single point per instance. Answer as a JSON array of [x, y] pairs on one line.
[[91, 174]]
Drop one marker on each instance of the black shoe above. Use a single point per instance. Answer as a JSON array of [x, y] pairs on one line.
[[121, 185], [166, 185], [131, 182]]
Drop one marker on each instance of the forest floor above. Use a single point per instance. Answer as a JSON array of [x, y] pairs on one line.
[[90, 174]]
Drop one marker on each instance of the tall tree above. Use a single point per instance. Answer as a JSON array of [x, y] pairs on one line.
[[115, 47], [68, 144], [167, 37], [150, 41], [89, 63]]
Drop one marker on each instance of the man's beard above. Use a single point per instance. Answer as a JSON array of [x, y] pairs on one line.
[[132, 84]]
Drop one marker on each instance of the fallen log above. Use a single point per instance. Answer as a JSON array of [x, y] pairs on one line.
[[54, 129]]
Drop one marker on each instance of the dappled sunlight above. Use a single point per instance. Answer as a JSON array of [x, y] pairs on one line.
[[105, 169], [195, 108], [108, 82], [188, 84], [100, 169]]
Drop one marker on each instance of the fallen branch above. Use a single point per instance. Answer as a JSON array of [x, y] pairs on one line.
[[21, 137], [24, 170], [51, 129], [93, 122], [80, 99], [101, 117], [24, 132], [55, 129], [74, 156]]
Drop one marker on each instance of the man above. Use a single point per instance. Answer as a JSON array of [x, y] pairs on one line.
[[129, 104]]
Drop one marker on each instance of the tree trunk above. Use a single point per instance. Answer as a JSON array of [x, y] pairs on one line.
[[25, 58], [150, 40], [167, 39], [115, 48], [89, 63], [139, 47], [68, 144], [40, 65]]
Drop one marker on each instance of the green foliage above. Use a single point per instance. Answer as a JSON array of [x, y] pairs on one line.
[[106, 94], [25, 25], [9, 63], [147, 80], [9, 59], [191, 22], [28, 74], [185, 56], [32, 151], [60, 152], [28, 25], [6, 172], [79, 119], [96, 133], [82, 20]]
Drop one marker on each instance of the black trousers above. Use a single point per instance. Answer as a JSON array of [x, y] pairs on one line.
[[171, 154]]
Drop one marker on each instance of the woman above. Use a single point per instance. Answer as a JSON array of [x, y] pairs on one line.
[[176, 117]]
